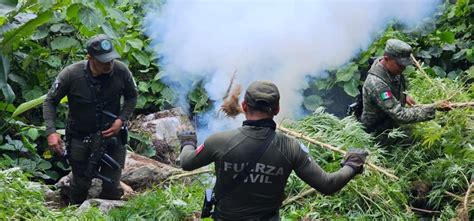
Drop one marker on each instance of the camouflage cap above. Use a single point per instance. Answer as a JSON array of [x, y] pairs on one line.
[[101, 48], [262, 93], [399, 50]]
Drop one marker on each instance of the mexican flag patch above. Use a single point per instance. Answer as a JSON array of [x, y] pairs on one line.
[[386, 95]]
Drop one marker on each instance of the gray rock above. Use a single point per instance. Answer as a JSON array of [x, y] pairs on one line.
[[141, 172], [61, 195], [162, 127], [103, 205]]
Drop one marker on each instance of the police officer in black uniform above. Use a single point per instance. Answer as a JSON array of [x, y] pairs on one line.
[[93, 87], [258, 196]]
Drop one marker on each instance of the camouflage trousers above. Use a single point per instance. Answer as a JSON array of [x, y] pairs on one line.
[[79, 158]]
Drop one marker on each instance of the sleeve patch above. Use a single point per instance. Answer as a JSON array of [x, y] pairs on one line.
[[304, 148], [199, 149], [386, 95], [55, 86]]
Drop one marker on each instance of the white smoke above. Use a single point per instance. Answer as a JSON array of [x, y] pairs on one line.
[[282, 41]]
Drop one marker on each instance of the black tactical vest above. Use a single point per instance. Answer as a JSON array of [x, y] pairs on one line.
[[89, 96]]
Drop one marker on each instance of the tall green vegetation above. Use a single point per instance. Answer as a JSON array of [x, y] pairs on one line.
[[38, 39], [24, 200], [434, 159]]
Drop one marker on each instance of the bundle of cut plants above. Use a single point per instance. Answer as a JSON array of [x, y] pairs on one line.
[[370, 195]]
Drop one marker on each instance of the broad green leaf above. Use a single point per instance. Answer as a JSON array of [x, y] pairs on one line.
[[90, 18], [351, 87], [7, 147], [46, 4], [157, 76], [439, 71], [53, 175], [449, 47], [142, 58], [141, 101], [312, 102], [2, 20], [67, 29], [424, 54], [470, 55], [33, 93], [454, 74], [62, 166], [324, 84], [135, 43], [63, 42], [4, 71], [156, 87], [26, 29], [30, 146], [44, 165], [7, 107], [56, 27], [73, 11], [168, 95], [40, 33], [149, 149], [28, 105], [17, 144], [32, 133], [8, 93], [446, 37], [435, 51], [109, 31], [347, 72], [118, 15], [459, 55], [54, 61], [143, 86]]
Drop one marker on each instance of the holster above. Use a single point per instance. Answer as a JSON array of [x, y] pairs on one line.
[[209, 203], [123, 134]]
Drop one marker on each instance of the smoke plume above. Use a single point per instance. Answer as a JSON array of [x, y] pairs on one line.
[[282, 41]]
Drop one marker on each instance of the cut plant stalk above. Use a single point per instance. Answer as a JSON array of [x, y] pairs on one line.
[[453, 105], [186, 174], [417, 65], [335, 149], [465, 214]]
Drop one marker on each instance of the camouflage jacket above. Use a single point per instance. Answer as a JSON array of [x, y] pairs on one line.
[[384, 101]]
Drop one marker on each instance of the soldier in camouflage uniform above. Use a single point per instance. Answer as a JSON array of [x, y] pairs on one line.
[[92, 86], [260, 194], [384, 98]]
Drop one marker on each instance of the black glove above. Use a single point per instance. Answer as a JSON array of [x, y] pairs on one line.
[[355, 158], [187, 137]]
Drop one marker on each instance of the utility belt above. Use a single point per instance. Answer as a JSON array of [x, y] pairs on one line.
[[71, 133]]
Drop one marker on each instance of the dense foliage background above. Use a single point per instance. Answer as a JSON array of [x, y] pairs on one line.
[[434, 160]]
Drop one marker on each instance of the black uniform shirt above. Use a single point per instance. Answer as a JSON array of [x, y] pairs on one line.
[[261, 193]]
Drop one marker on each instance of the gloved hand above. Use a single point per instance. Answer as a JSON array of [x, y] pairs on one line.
[[187, 137], [443, 106], [355, 158]]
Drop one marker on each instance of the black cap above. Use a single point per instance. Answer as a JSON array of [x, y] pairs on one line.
[[262, 93], [101, 48]]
